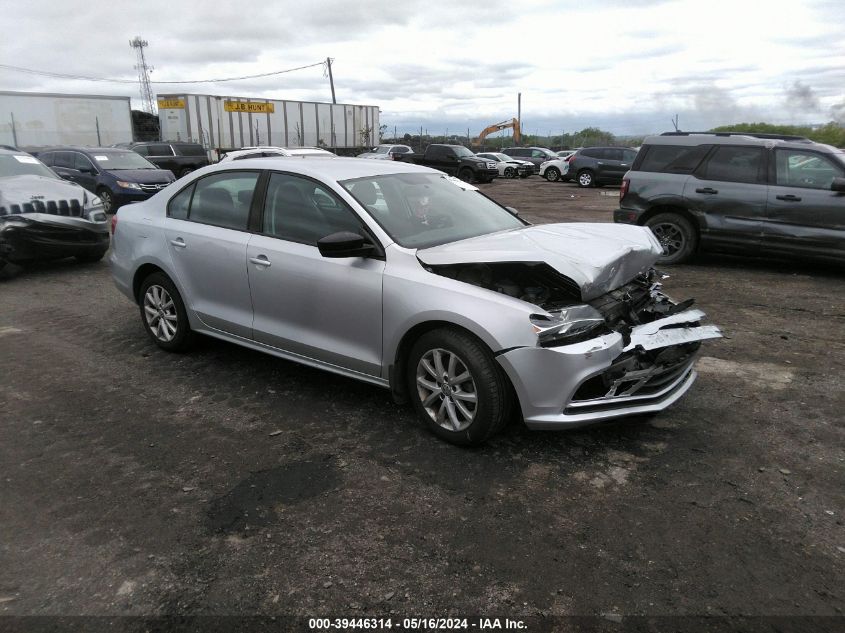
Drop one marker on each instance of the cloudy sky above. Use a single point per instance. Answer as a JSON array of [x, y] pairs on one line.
[[625, 66]]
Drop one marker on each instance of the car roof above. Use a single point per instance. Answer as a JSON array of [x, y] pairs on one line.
[[737, 138], [326, 168], [90, 150]]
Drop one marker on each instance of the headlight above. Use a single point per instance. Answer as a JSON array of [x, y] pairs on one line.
[[92, 207], [567, 325], [128, 185]]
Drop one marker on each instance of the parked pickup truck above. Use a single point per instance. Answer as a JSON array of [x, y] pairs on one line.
[[180, 158], [455, 160]]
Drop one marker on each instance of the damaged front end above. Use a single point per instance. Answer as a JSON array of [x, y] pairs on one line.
[[630, 350]]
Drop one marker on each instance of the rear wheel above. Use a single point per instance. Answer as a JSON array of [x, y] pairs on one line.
[[586, 178], [552, 174], [676, 235], [163, 313], [456, 387]]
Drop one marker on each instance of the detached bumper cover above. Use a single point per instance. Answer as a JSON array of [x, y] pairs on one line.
[[604, 378]]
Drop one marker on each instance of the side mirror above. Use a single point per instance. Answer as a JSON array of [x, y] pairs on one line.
[[838, 184], [344, 244], [513, 211]]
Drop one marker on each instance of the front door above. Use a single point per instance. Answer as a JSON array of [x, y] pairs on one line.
[[321, 308], [803, 214], [206, 232]]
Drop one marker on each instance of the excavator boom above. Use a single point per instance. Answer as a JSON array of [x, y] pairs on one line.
[[496, 127]]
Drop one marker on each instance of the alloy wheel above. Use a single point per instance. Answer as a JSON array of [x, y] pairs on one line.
[[670, 236], [160, 313], [446, 389]]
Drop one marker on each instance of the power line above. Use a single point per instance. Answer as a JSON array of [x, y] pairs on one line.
[[47, 73]]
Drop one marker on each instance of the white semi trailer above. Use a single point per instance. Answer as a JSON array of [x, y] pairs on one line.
[[225, 123], [35, 119]]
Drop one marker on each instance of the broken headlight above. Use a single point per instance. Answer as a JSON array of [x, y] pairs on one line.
[[92, 207], [567, 325]]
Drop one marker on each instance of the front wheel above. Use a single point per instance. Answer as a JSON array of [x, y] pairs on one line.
[[90, 258], [586, 178], [456, 387], [552, 174], [510, 172], [676, 235], [465, 175], [185, 172], [108, 200], [163, 313]]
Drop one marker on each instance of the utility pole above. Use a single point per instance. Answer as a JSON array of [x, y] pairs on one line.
[[331, 79], [519, 111], [143, 74]]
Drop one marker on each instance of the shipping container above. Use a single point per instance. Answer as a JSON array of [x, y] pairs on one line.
[[226, 123], [32, 119]]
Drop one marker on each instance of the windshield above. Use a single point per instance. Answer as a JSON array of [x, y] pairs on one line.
[[121, 160], [460, 150], [502, 157], [22, 165], [422, 210]]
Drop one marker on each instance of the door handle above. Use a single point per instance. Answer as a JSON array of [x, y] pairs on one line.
[[261, 260], [709, 190], [178, 242], [789, 198]]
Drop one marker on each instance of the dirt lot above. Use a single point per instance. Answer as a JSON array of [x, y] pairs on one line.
[[224, 481]]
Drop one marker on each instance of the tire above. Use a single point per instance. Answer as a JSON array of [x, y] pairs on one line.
[[552, 174], [108, 200], [90, 258], [185, 172], [158, 296], [510, 172], [466, 174], [676, 234], [586, 178], [445, 404], [525, 175]]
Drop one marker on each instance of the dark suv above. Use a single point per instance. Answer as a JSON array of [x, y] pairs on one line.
[[592, 166], [180, 158], [537, 155], [742, 192], [117, 176]]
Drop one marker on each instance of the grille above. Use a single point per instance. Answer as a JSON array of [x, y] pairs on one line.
[[158, 186], [67, 208]]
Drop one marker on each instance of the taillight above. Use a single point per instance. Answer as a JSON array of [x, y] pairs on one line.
[[570, 158], [113, 223], [624, 188]]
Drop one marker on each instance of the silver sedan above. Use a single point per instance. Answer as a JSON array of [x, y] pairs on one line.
[[408, 279]]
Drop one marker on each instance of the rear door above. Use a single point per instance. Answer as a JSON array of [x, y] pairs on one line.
[[611, 167], [327, 309], [206, 232], [803, 214], [728, 190]]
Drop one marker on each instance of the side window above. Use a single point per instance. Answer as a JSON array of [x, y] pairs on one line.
[[180, 203], [83, 163], [64, 159], [612, 154], [160, 149], [300, 210], [143, 150], [628, 155], [672, 159], [591, 153], [224, 199], [536, 153], [797, 168], [48, 158], [734, 164]]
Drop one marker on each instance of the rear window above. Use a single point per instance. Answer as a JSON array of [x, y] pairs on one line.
[[672, 159], [190, 150]]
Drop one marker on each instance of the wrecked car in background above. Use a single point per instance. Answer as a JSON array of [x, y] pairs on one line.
[[44, 217], [403, 277]]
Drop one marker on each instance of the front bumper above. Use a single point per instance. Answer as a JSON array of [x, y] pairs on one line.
[[36, 236], [601, 379]]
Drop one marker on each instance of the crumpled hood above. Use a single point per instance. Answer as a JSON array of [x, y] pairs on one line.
[[598, 257], [21, 189]]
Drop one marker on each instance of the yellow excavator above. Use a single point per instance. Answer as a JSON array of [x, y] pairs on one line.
[[513, 123]]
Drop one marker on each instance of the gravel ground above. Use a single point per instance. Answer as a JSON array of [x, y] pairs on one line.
[[224, 481]]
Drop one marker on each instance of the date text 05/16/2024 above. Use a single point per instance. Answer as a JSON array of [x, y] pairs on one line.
[[415, 624]]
